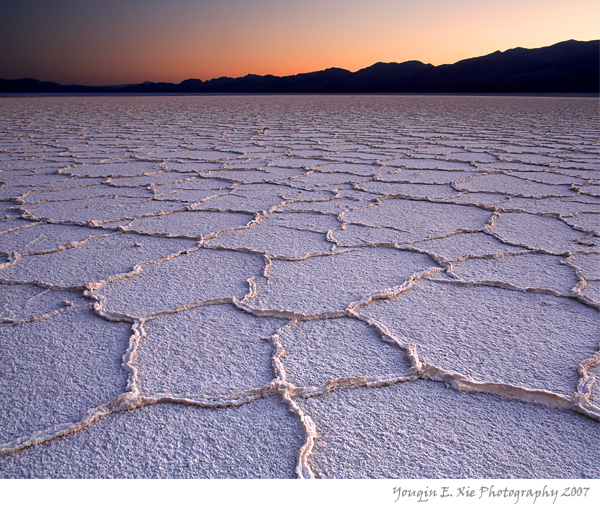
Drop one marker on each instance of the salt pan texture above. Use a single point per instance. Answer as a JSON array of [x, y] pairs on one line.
[[299, 286]]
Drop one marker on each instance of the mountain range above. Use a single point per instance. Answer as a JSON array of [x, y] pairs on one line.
[[565, 67]]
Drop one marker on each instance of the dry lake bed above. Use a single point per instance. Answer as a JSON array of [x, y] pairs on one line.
[[295, 286]]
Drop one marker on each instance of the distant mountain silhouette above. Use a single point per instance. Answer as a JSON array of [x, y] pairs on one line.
[[570, 66]]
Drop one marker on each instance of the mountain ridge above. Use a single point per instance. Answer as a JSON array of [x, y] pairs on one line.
[[565, 67]]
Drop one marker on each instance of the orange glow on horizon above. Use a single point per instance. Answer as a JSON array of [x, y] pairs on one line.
[[208, 39]]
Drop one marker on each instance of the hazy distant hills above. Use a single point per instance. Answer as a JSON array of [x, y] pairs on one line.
[[570, 66]]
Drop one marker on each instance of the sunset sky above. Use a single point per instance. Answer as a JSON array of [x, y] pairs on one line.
[[130, 41]]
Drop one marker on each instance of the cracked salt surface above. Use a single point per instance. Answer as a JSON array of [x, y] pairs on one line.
[[299, 286]]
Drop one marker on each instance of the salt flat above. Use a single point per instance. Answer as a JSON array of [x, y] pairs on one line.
[[295, 286]]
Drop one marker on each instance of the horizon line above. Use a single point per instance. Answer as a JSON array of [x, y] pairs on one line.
[[297, 74]]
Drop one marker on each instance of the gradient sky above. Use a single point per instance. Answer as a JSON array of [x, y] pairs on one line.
[[104, 42]]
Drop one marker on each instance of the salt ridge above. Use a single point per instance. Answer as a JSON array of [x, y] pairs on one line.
[[43, 162]]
